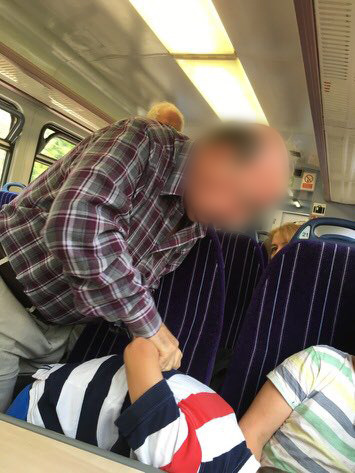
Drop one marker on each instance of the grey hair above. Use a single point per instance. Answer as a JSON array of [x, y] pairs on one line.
[[244, 138], [160, 107]]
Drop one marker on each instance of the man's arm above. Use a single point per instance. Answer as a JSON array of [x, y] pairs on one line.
[[267, 413], [86, 230]]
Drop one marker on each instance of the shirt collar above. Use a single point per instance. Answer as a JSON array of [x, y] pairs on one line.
[[174, 185]]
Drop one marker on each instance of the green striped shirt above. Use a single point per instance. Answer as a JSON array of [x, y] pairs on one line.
[[319, 435]]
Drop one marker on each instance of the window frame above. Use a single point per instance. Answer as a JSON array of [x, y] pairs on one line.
[[8, 144], [41, 143]]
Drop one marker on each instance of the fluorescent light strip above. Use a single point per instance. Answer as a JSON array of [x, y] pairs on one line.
[[193, 27], [186, 26], [226, 88]]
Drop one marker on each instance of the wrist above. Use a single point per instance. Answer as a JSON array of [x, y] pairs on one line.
[[146, 326], [156, 332]]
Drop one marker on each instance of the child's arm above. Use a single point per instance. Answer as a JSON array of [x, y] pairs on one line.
[[142, 367], [153, 425], [267, 413]]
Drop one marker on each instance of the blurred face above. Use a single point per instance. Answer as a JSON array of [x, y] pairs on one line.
[[278, 242], [221, 190]]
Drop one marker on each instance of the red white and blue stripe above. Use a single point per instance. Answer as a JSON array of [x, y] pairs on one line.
[[179, 425]]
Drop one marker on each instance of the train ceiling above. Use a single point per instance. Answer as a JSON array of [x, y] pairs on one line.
[[109, 64]]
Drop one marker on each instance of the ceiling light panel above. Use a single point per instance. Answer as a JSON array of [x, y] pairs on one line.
[[226, 88], [193, 33], [186, 26]]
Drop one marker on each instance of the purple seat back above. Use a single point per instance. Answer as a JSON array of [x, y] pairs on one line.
[[243, 267], [305, 297], [6, 197], [264, 254], [190, 301]]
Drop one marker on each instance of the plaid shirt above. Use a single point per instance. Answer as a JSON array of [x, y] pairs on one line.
[[92, 235]]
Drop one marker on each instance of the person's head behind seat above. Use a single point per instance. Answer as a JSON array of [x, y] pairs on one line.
[[167, 114], [235, 172], [280, 237]]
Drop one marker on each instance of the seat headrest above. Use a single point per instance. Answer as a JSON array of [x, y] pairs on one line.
[[6, 187], [335, 230]]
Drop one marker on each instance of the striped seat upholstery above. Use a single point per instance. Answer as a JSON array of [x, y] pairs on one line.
[[6, 197], [190, 301], [243, 266], [305, 297], [264, 253]]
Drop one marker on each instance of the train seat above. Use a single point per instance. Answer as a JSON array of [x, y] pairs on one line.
[[264, 253], [337, 230], [244, 264], [304, 298], [6, 195], [190, 301]]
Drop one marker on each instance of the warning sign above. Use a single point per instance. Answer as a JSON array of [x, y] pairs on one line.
[[308, 181]]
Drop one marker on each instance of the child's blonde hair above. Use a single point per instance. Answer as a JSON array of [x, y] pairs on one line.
[[287, 231]]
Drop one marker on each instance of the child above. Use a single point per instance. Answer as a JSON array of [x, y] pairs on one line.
[[172, 421], [302, 420], [280, 237]]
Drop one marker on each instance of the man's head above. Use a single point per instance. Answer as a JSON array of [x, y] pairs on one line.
[[167, 114], [235, 172]]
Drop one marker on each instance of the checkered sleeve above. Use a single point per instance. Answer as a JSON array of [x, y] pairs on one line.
[[87, 226]]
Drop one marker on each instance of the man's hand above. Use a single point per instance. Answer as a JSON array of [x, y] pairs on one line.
[[168, 348]]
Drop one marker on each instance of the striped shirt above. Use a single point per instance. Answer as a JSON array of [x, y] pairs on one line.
[[91, 236], [319, 436], [179, 425]]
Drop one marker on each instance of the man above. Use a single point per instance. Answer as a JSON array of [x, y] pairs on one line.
[[91, 237], [167, 113], [302, 420], [169, 420]]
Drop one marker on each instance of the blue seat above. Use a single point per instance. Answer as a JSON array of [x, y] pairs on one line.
[[244, 264], [305, 297], [6, 195], [337, 230], [190, 301]]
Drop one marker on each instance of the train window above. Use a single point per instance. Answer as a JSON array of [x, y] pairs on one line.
[[38, 168], [3, 154], [53, 144], [11, 123], [5, 123]]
